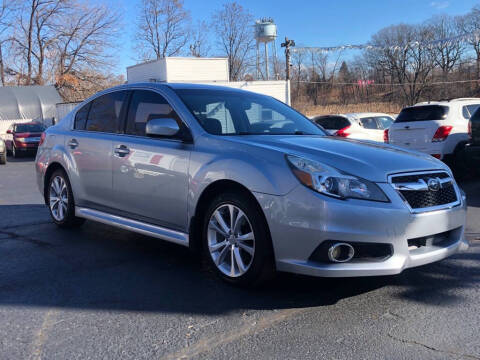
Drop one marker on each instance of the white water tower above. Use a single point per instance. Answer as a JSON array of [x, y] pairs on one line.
[[266, 33]]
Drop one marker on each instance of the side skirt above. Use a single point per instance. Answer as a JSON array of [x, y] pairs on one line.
[[155, 231]]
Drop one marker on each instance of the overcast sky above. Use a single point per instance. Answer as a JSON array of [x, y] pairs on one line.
[[309, 22]]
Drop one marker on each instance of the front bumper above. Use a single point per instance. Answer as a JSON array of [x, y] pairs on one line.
[[301, 220]]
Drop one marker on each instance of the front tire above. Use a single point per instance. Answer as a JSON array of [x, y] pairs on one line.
[[3, 158], [14, 152], [61, 202], [236, 240]]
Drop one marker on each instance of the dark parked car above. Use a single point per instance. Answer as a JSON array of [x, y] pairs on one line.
[[472, 149], [24, 138]]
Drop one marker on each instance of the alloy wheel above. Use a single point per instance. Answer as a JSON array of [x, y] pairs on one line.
[[58, 198], [231, 241]]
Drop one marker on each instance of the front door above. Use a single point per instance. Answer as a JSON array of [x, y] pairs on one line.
[[150, 175]]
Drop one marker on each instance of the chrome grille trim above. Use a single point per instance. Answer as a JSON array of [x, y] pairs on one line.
[[444, 178]]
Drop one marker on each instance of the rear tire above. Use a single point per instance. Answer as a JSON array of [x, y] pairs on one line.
[[236, 241], [60, 201]]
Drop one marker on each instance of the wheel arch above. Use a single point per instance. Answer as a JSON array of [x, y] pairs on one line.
[[207, 195], [54, 166]]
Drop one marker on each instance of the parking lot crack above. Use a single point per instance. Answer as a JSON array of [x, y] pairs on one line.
[[432, 348]]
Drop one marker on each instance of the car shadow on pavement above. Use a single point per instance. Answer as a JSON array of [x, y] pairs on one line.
[[21, 158], [101, 267]]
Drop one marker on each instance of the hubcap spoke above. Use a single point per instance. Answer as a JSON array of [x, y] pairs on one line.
[[221, 222], [221, 257], [217, 246], [245, 247], [215, 227], [245, 237], [239, 260], [232, 262]]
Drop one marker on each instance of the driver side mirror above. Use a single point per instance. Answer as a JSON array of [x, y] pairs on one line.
[[9, 131], [165, 127]]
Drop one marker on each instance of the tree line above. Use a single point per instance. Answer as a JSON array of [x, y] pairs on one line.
[[400, 69], [73, 44]]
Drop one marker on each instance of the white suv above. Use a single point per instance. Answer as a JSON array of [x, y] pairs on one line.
[[365, 126], [437, 128]]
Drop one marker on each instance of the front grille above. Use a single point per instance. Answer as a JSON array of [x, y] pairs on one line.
[[425, 199], [415, 191]]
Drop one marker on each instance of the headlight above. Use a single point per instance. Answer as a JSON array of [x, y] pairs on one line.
[[330, 181], [20, 139]]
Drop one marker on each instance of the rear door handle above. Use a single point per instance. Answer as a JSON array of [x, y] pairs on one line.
[[72, 144], [121, 151]]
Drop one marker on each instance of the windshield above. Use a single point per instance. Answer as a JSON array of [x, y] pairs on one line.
[[422, 113], [223, 112], [21, 128]]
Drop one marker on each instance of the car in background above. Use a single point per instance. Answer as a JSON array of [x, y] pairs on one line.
[[437, 128], [3, 152], [365, 126], [23, 138], [472, 149]]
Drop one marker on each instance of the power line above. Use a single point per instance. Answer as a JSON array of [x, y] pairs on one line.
[[474, 37]]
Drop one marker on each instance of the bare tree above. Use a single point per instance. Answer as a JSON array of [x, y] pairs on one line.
[[7, 8], [470, 25], [162, 28], [83, 43], [402, 56], [446, 55], [233, 27], [37, 32], [199, 46]]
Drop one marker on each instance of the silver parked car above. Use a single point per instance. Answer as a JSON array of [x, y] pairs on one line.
[[249, 181], [3, 152]]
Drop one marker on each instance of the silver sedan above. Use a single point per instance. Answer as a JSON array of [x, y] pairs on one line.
[[249, 182]]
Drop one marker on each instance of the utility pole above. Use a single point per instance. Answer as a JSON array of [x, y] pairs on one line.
[[287, 44]]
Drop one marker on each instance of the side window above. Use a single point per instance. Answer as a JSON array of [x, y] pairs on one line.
[[471, 109], [384, 122], [104, 114], [81, 117], [369, 123], [144, 106], [466, 113]]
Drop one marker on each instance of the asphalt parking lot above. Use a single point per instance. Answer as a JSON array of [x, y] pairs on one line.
[[100, 292]]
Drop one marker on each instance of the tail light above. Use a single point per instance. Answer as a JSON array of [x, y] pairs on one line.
[[385, 136], [42, 139], [442, 133], [343, 132], [470, 129]]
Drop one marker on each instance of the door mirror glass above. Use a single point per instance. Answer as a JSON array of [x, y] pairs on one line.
[[166, 127]]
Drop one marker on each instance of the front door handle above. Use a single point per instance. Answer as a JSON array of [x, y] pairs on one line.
[[121, 151], [72, 144]]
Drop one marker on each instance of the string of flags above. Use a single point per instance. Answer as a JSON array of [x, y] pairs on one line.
[[474, 37]]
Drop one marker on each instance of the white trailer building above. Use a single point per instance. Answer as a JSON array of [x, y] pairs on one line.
[[213, 71]]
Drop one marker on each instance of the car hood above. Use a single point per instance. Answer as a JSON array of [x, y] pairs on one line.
[[367, 159]]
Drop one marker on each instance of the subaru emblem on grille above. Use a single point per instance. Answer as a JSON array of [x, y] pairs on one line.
[[434, 184]]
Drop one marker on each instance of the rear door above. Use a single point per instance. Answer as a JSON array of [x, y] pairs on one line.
[[150, 175], [371, 129], [90, 145], [415, 126]]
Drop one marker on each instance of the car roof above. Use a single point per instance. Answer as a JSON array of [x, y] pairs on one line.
[[175, 86], [449, 102], [365, 114]]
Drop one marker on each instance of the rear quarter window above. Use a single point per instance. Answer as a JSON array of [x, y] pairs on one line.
[[333, 122], [422, 113]]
